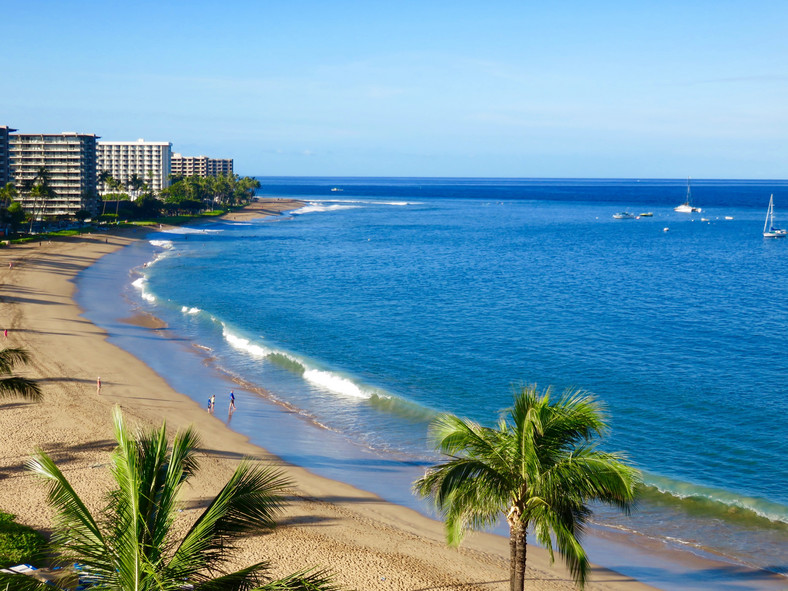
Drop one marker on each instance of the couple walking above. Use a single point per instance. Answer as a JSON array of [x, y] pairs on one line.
[[212, 402]]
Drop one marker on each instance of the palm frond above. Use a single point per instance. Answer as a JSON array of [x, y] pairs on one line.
[[18, 387], [128, 525], [77, 530], [10, 357], [306, 580], [248, 503], [19, 582], [567, 544], [240, 580]]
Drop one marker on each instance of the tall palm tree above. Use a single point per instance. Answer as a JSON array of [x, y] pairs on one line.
[[132, 547], [15, 386], [540, 467], [118, 186], [135, 184], [39, 188], [104, 178]]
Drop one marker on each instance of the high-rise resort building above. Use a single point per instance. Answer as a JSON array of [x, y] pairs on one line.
[[69, 159], [200, 165], [150, 161], [5, 161]]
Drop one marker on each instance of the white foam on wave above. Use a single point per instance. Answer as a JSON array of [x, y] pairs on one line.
[[187, 310], [335, 383], [376, 202], [325, 380], [186, 230], [245, 345], [162, 243], [139, 284], [322, 207], [368, 202]]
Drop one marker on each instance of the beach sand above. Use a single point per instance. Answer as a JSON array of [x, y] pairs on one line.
[[369, 544]]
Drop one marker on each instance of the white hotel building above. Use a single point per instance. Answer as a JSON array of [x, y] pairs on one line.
[[150, 161]]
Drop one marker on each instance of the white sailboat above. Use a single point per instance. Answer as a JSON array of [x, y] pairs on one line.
[[687, 207], [769, 231]]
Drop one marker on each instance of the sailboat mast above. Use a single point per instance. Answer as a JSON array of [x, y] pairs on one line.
[[769, 222]]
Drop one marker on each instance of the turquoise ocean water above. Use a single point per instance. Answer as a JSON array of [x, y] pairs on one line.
[[385, 301]]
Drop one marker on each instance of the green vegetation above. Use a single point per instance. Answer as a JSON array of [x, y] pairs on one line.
[[539, 467], [185, 199], [185, 196], [19, 543], [195, 193], [12, 386], [135, 542]]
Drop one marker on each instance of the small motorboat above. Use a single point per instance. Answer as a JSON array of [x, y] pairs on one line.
[[623, 215]]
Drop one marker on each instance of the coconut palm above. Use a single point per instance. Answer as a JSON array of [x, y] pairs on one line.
[[540, 467], [8, 193], [15, 386], [131, 547], [40, 189], [104, 178], [135, 184]]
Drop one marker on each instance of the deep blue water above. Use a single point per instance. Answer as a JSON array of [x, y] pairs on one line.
[[380, 304]]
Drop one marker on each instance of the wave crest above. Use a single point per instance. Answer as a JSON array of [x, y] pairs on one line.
[[140, 285], [721, 503]]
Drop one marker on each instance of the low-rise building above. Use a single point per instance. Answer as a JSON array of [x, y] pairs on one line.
[[200, 165], [149, 161], [69, 160]]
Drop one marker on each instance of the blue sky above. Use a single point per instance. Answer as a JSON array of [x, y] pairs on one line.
[[429, 88]]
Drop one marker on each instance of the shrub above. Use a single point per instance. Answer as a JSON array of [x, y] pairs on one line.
[[18, 543]]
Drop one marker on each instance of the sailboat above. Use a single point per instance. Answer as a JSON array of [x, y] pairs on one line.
[[686, 207], [769, 231]]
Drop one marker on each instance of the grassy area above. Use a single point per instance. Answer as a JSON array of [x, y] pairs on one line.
[[109, 221], [19, 543]]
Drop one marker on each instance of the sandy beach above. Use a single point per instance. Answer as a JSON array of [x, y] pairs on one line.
[[369, 544]]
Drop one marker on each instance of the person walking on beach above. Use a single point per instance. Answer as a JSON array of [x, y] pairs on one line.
[[98, 385], [232, 401], [213, 402], [5, 333]]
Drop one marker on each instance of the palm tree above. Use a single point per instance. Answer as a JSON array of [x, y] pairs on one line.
[[118, 186], [39, 188], [135, 184], [8, 193], [104, 178], [132, 546], [539, 467], [15, 386]]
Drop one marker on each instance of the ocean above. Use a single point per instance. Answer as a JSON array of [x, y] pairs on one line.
[[348, 324]]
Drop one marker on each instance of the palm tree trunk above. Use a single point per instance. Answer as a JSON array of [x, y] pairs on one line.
[[517, 554]]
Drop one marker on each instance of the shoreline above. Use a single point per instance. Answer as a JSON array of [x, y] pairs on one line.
[[371, 544]]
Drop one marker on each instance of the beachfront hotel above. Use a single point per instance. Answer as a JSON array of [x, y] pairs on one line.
[[150, 161], [200, 165], [5, 160], [70, 161]]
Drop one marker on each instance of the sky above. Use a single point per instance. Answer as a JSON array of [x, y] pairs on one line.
[[601, 89]]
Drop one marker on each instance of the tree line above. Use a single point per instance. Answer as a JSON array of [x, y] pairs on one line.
[[134, 199], [185, 194]]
